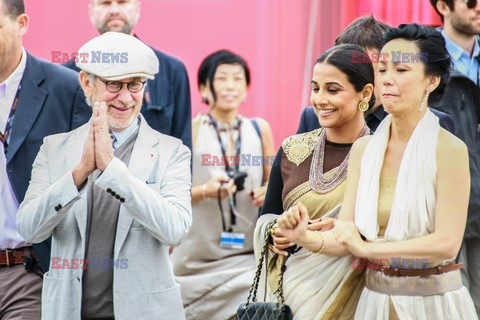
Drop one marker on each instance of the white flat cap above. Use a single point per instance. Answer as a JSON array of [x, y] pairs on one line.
[[115, 56]]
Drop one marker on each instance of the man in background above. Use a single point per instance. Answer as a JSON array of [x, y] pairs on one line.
[[37, 99], [166, 103], [461, 26]]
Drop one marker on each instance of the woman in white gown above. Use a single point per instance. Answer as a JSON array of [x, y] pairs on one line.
[[407, 192]]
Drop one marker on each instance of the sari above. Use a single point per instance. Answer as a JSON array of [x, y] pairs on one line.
[[315, 286]]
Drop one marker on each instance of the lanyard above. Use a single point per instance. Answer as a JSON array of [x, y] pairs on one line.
[[233, 219], [230, 171], [238, 145], [8, 127], [233, 213]]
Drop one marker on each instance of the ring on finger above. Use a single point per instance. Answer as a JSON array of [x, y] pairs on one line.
[[272, 231]]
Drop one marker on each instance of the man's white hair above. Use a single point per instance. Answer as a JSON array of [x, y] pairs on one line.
[[91, 80]]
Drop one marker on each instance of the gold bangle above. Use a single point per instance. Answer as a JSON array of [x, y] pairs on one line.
[[204, 191], [321, 246]]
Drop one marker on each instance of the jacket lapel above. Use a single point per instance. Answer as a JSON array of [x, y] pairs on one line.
[[30, 101], [141, 164]]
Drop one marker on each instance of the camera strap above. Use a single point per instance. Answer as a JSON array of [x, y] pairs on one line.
[[228, 168], [231, 170], [220, 206], [230, 239]]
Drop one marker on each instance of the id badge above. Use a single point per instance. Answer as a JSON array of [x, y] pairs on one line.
[[232, 240]]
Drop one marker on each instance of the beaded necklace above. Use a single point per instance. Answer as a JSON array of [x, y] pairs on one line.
[[321, 182]]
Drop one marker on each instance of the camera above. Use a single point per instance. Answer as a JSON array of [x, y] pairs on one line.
[[239, 179]]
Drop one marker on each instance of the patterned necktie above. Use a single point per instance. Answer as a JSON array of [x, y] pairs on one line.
[[112, 136]]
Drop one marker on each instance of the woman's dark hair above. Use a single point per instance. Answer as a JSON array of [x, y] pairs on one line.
[[431, 45], [354, 62], [209, 65]]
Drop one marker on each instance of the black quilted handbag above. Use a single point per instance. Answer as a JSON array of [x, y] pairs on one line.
[[253, 310]]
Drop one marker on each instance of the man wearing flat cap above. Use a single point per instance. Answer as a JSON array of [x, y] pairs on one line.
[[166, 104], [114, 194]]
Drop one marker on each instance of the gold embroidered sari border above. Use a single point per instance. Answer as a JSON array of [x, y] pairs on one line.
[[296, 193]]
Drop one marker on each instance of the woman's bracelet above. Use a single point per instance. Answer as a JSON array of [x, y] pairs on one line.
[[204, 191], [321, 246]]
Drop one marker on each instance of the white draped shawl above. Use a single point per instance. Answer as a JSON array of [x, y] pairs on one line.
[[412, 216], [413, 210]]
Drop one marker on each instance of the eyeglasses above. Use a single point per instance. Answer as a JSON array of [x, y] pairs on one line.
[[470, 3], [116, 86]]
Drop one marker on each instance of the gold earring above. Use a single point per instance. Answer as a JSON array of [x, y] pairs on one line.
[[424, 101], [363, 105]]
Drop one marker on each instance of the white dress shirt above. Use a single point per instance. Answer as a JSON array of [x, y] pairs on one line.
[[9, 237], [461, 59], [122, 136]]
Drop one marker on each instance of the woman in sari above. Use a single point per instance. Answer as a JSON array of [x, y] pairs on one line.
[[407, 192], [311, 169]]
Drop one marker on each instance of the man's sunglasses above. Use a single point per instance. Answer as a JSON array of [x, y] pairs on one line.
[[470, 3]]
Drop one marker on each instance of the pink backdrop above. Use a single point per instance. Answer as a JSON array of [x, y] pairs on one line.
[[279, 38]]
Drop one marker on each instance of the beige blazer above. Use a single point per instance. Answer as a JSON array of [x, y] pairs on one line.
[[155, 214]]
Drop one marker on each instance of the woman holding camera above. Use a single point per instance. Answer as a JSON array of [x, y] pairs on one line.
[[215, 263]]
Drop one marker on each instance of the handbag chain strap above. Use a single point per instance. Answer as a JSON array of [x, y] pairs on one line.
[[254, 288]]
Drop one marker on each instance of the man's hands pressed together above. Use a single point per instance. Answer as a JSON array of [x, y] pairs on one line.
[[97, 149], [103, 141]]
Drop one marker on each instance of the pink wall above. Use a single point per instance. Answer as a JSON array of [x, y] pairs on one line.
[[391, 11], [271, 34]]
